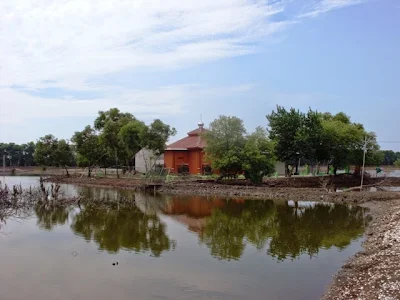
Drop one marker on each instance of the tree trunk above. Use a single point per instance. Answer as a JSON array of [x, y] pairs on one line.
[[116, 161], [66, 169], [89, 170], [334, 170]]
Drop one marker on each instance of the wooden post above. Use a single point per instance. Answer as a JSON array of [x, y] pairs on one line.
[[363, 167]]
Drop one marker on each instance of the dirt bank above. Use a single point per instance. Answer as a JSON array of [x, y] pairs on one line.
[[375, 272], [308, 188], [265, 192]]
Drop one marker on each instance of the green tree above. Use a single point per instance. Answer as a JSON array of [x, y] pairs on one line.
[[50, 151], [45, 151], [130, 136], [344, 142], [88, 147], [28, 151], [397, 163], [156, 135], [258, 156], [63, 155], [284, 130], [18, 155], [389, 157], [225, 142], [109, 124]]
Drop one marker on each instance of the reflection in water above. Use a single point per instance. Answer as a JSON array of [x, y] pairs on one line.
[[124, 220], [113, 228], [297, 231], [288, 230], [49, 217], [129, 227]]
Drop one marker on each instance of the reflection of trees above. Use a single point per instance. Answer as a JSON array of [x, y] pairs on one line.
[[49, 217], [113, 228], [291, 231], [306, 230], [227, 228], [106, 195]]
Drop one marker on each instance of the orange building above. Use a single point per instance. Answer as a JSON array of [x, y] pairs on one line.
[[187, 155]]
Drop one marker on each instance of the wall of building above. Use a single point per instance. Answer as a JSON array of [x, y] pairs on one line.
[[145, 160], [280, 168], [193, 158]]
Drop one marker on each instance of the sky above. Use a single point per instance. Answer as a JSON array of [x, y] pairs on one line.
[[61, 61]]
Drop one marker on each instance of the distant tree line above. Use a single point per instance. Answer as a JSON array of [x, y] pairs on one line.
[[18, 155], [113, 140], [390, 158], [321, 138], [313, 137], [115, 137]]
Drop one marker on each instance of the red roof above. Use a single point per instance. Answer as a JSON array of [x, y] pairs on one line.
[[192, 141]]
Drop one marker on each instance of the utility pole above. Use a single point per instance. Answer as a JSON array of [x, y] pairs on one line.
[[4, 163], [363, 167]]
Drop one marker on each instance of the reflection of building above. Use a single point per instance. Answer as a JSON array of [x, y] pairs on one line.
[[193, 211], [186, 155], [194, 207]]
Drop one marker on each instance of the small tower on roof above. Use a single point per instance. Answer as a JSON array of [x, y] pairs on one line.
[[201, 124]]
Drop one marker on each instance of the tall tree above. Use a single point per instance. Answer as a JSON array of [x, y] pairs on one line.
[[155, 136], [45, 151], [225, 141], [88, 147], [258, 156], [389, 157], [109, 124], [344, 142], [284, 130], [63, 156], [130, 137]]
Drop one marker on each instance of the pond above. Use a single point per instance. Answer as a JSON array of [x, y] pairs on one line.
[[171, 247]]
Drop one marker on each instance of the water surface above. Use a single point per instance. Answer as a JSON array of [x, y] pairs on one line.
[[171, 247]]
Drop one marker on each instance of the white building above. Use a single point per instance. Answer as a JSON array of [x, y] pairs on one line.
[[145, 160]]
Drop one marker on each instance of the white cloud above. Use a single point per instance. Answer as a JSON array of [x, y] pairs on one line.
[[70, 41], [67, 43], [17, 107], [323, 6]]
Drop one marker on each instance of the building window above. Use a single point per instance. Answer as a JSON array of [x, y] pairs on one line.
[[183, 169], [206, 170]]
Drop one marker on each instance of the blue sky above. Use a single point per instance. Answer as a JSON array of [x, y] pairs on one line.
[[175, 61]]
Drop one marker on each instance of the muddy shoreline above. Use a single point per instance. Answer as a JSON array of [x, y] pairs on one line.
[[373, 273]]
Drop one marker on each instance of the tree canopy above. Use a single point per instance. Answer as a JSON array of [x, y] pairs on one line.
[[50, 151], [320, 138], [116, 137], [231, 151], [18, 155]]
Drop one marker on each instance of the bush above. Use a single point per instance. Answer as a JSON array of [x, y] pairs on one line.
[[397, 163]]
